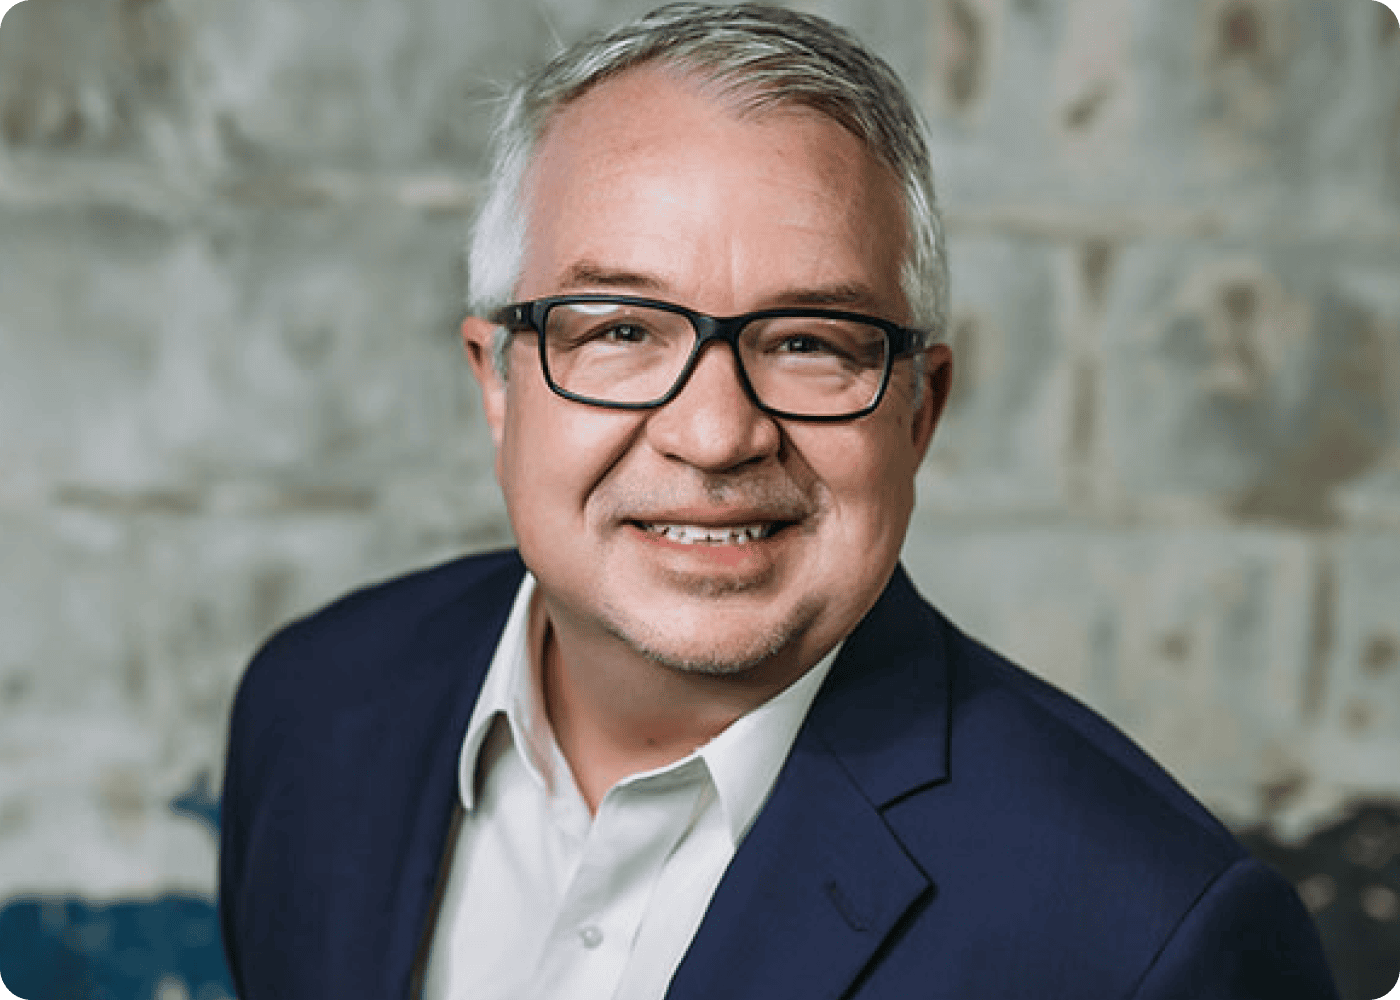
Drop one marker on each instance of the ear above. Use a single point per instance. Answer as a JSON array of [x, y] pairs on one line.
[[938, 382], [479, 338]]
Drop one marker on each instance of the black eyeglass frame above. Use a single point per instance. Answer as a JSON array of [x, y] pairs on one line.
[[531, 316]]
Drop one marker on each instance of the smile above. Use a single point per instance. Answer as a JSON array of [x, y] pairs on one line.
[[694, 534]]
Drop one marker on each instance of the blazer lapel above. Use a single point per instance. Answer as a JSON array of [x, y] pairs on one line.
[[400, 755], [821, 880]]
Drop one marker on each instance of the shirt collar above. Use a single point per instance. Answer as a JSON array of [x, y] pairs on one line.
[[509, 691], [743, 761]]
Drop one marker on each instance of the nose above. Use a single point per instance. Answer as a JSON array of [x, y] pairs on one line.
[[713, 424]]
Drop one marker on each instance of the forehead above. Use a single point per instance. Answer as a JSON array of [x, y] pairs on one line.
[[683, 173], [665, 109]]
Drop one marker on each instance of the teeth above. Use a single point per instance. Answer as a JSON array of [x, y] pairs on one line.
[[691, 534]]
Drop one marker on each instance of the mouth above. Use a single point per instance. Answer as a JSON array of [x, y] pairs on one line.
[[724, 534]]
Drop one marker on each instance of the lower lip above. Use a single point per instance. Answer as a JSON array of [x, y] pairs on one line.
[[741, 556]]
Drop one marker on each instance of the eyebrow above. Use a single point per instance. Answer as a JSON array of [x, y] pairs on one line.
[[590, 274], [586, 273], [844, 295]]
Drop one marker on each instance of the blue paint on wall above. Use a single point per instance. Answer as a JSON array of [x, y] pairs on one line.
[[199, 804], [66, 948]]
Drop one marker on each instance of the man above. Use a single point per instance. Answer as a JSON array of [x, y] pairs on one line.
[[699, 737]]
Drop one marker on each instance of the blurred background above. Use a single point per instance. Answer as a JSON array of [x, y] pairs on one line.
[[231, 388]]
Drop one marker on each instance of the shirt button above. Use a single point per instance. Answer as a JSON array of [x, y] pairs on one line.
[[591, 937]]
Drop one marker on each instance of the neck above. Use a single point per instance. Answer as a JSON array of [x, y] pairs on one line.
[[616, 713]]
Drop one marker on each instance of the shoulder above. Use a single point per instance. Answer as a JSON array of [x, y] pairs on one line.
[[1052, 836], [1089, 799], [1036, 735], [347, 651], [996, 730]]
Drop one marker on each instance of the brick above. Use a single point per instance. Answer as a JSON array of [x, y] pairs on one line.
[[162, 366], [1003, 438], [1253, 382], [1221, 115], [1360, 726]]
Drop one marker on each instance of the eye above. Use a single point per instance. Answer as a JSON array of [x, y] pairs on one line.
[[622, 333], [812, 341], [804, 343], [618, 334]]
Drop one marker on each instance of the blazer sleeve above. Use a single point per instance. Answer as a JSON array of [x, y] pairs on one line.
[[1248, 937], [232, 846], [253, 732]]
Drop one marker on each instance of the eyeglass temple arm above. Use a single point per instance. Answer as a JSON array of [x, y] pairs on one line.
[[513, 317]]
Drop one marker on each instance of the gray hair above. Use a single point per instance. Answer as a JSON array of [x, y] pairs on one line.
[[762, 55]]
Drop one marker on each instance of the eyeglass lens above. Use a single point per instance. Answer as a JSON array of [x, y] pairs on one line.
[[612, 352]]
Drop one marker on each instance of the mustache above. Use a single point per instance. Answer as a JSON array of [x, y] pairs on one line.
[[759, 499]]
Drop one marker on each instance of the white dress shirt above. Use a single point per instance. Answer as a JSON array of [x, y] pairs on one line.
[[545, 901]]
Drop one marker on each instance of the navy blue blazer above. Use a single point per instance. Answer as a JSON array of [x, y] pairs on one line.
[[946, 826]]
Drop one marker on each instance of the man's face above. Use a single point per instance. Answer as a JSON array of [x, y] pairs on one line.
[[651, 185]]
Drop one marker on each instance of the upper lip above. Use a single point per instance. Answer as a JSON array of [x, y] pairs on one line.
[[711, 518]]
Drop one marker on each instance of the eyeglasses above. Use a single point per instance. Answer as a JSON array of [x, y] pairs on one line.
[[629, 353]]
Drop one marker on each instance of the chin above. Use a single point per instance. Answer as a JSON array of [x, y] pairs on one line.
[[708, 648]]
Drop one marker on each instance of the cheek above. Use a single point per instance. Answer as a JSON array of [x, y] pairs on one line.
[[870, 480], [557, 455], [872, 461], [526, 437]]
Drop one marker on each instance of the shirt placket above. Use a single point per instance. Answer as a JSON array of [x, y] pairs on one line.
[[635, 832]]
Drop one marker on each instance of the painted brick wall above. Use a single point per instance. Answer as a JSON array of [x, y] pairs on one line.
[[230, 388]]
